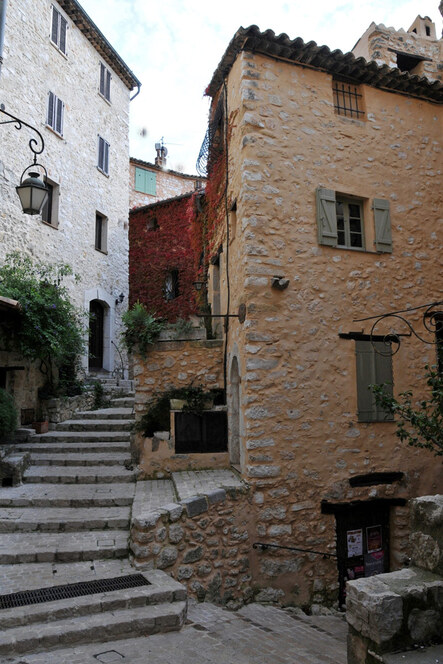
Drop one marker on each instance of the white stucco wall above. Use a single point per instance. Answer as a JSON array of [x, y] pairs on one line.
[[32, 67]]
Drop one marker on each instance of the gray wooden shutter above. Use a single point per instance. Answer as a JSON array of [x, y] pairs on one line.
[[63, 26], [365, 377], [102, 78], [108, 85], [101, 148], [383, 374], [326, 217], [50, 116], [59, 117], [106, 157], [382, 219], [54, 26]]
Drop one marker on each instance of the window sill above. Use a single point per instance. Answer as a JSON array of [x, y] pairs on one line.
[[46, 223], [108, 101], [102, 172], [102, 251], [53, 131], [143, 192], [360, 249], [58, 49]]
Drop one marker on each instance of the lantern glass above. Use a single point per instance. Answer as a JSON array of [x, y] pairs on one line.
[[33, 194]]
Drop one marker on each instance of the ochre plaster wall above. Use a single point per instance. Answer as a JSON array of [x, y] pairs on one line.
[[300, 438]]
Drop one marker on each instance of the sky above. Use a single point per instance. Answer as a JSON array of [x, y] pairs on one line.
[[174, 46]]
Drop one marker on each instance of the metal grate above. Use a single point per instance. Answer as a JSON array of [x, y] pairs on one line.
[[347, 99], [72, 590]]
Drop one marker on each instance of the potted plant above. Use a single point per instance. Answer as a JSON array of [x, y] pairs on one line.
[[8, 414]]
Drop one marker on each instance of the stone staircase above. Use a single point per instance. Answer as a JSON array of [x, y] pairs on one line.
[[68, 523]]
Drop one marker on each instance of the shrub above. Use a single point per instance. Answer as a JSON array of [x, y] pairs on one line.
[[141, 328], [8, 413]]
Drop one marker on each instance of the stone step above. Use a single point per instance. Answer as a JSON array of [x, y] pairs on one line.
[[18, 548], [75, 447], [68, 495], [94, 425], [113, 413], [83, 437], [62, 519], [123, 402], [77, 474], [107, 626], [81, 459], [161, 590]]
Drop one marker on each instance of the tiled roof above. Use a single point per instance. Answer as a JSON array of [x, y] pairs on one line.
[[322, 58], [164, 201], [78, 15], [148, 164]]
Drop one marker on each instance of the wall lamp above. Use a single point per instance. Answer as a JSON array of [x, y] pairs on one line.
[[119, 299], [32, 191], [199, 285]]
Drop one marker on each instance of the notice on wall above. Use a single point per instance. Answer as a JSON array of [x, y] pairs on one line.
[[373, 539], [374, 563], [355, 542]]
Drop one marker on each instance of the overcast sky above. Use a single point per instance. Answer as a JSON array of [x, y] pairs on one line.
[[174, 46]]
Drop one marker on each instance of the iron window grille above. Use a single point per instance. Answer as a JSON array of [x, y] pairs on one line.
[[348, 100]]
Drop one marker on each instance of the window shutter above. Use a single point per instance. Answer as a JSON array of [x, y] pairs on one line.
[[365, 377], [50, 116], [108, 85], [102, 79], [106, 157], [383, 373], [382, 217], [326, 217], [63, 26], [101, 144], [54, 26], [59, 117]]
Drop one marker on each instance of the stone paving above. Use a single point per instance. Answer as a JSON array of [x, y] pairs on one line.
[[254, 635], [202, 482]]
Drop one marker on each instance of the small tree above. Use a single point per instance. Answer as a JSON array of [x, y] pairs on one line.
[[141, 328], [49, 327], [420, 424]]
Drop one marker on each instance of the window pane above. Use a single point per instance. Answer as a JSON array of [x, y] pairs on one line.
[[356, 240], [354, 210]]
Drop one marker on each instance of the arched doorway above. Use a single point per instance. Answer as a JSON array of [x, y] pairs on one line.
[[234, 419], [96, 330]]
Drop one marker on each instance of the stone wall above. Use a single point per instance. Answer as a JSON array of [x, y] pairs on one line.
[[33, 66], [298, 425], [203, 542], [403, 609]]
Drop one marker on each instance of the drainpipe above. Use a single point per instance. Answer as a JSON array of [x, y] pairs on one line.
[[3, 4]]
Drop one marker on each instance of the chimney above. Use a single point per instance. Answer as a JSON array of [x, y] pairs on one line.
[[162, 152]]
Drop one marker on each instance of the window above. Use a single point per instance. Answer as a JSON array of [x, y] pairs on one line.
[[103, 156], [54, 116], [340, 221], [171, 290], [101, 232], [145, 181], [50, 208], [152, 224], [348, 100], [374, 367], [105, 82], [408, 62], [58, 30], [349, 223]]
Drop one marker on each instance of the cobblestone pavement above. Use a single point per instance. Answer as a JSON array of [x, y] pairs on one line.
[[254, 635]]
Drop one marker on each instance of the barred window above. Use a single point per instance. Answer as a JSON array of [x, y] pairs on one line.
[[348, 99]]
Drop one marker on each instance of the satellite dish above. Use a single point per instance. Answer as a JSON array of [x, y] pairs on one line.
[[165, 150]]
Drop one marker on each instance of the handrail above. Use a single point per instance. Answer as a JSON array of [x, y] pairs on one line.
[[264, 546]]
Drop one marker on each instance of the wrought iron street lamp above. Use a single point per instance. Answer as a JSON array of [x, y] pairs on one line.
[[32, 191]]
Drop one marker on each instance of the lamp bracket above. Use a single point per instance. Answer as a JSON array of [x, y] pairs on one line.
[[36, 145]]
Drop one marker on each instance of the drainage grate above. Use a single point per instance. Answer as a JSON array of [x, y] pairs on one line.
[[72, 590]]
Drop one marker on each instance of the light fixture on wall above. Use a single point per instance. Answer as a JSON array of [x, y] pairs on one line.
[[119, 299], [199, 285], [32, 191]]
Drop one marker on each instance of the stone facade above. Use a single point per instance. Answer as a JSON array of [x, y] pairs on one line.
[[388, 46], [292, 380], [33, 66], [168, 183], [203, 542]]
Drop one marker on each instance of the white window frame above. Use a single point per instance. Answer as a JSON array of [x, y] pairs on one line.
[[101, 238], [53, 205], [59, 35], [105, 82], [55, 113], [103, 155]]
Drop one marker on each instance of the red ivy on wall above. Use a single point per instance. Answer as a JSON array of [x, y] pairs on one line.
[[165, 237]]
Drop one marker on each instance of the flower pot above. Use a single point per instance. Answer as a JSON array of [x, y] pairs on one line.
[[41, 427], [177, 404]]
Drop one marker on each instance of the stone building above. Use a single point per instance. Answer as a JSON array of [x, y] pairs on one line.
[[149, 183], [322, 208], [61, 75]]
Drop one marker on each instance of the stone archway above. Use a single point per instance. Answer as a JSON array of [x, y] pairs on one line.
[[234, 415]]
